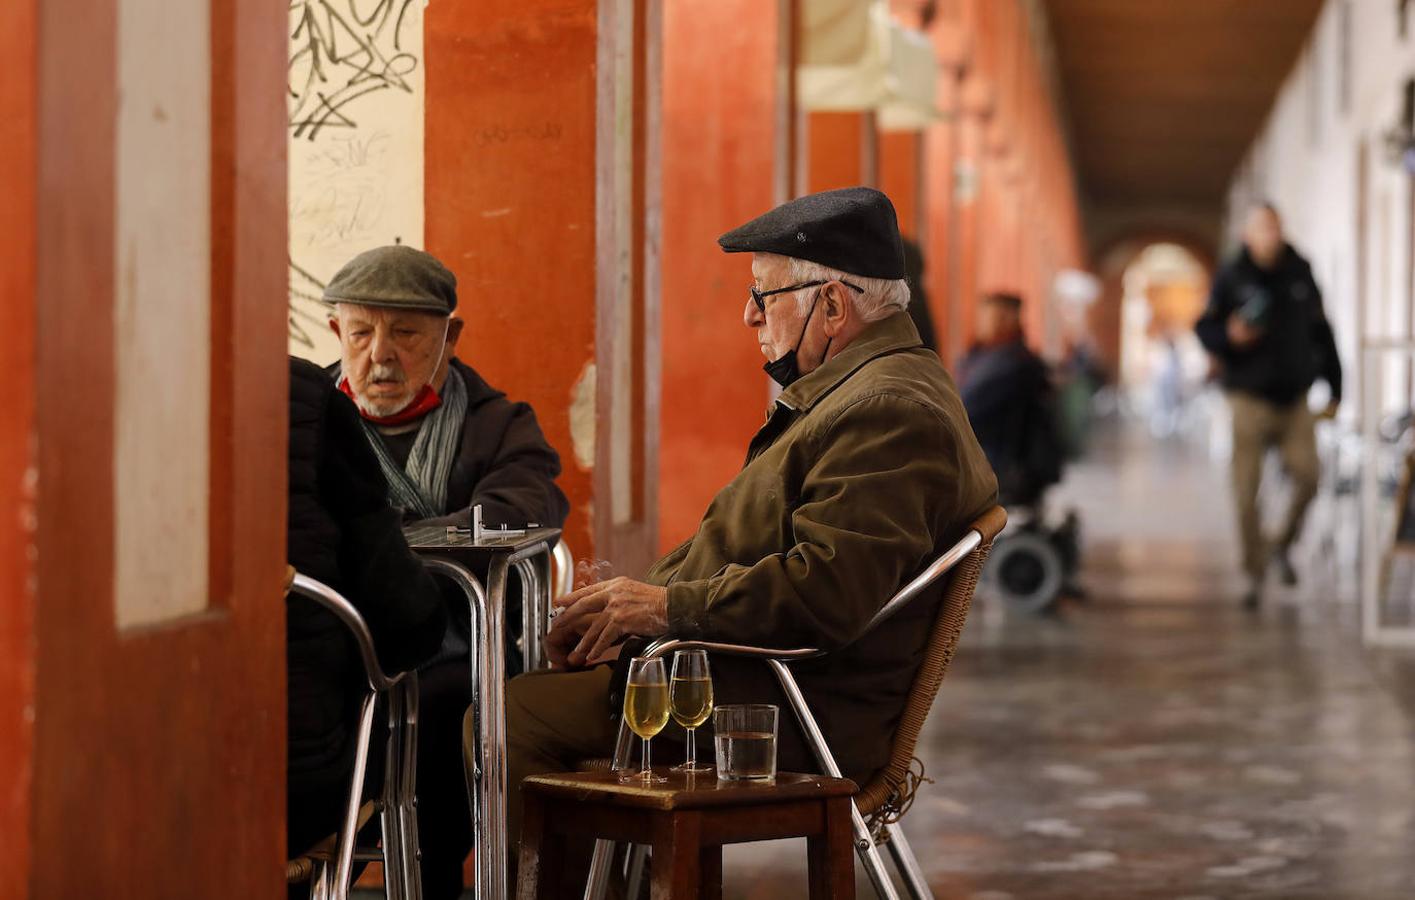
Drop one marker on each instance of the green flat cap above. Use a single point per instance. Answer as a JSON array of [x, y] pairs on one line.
[[397, 277]]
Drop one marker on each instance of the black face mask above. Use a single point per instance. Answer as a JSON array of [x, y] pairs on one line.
[[784, 370]]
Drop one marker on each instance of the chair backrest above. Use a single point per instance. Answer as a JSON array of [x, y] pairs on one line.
[[890, 786]]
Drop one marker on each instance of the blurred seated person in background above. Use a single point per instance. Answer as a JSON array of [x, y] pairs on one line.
[[1008, 394], [865, 471], [446, 441], [341, 531]]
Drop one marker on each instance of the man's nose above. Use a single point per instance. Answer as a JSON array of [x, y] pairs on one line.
[[381, 347], [751, 316]]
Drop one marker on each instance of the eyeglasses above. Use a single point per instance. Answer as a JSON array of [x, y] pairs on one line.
[[759, 296]]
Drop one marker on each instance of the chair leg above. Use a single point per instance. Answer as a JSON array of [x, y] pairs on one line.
[[604, 850], [638, 853], [410, 852], [319, 880], [869, 856], [907, 864]]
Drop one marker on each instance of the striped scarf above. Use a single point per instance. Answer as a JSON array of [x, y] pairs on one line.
[[421, 488]]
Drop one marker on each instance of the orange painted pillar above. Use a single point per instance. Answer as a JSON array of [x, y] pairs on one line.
[[510, 175], [19, 93], [900, 170], [941, 156], [722, 165], [842, 151], [158, 745], [976, 110]]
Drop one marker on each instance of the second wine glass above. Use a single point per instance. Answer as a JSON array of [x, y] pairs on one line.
[[691, 700]]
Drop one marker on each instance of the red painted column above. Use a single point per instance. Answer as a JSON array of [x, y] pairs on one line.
[[510, 205], [18, 133], [842, 151], [976, 110], [940, 163], [721, 167], [158, 749], [900, 167]]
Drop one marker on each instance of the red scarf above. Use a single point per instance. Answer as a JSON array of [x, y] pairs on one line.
[[425, 402]]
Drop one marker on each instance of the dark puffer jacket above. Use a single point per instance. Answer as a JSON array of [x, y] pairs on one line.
[[342, 532], [1296, 345]]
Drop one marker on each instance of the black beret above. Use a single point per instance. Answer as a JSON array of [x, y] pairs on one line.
[[853, 230], [396, 276]]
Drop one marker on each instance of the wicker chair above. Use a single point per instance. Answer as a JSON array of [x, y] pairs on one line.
[[887, 795]]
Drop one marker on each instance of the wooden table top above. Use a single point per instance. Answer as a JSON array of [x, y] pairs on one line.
[[686, 791]]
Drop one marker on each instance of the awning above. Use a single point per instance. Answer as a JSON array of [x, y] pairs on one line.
[[855, 57]]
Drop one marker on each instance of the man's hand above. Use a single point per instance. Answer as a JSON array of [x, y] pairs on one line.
[[1242, 334], [596, 616]]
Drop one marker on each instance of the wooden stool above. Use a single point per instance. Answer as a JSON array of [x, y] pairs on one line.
[[686, 821]]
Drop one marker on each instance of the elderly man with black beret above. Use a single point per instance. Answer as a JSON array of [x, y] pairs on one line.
[[446, 441], [865, 470]]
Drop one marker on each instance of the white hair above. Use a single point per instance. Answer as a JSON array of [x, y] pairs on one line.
[[882, 296]]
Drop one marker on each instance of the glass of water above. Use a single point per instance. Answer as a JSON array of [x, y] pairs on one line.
[[746, 742]]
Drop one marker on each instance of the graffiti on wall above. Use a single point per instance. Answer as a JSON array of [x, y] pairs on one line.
[[355, 146]]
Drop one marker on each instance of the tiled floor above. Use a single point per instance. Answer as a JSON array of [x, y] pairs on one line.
[[1158, 742]]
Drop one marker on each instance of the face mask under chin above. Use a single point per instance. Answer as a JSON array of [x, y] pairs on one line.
[[785, 370]]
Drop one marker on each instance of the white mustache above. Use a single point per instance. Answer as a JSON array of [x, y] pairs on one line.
[[379, 372]]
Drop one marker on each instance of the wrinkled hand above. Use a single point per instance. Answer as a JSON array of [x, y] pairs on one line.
[[597, 616], [1241, 334]]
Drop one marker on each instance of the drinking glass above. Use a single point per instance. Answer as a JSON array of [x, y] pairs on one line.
[[691, 700], [646, 707], [746, 742]]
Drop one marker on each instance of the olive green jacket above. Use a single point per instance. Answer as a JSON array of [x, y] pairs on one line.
[[865, 471]]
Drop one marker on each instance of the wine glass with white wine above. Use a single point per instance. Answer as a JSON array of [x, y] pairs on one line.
[[646, 708], [690, 694]]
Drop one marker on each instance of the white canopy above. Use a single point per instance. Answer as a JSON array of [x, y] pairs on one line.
[[855, 57]]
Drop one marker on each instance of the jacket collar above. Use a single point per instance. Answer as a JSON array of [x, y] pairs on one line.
[[888, 335]]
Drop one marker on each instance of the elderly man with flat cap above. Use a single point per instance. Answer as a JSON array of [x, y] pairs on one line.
[[865, 470], [446, 441]]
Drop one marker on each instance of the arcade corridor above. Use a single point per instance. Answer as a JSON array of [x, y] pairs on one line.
[[1158, 742]]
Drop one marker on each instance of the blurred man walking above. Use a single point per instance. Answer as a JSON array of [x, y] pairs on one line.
[[1266, 327]]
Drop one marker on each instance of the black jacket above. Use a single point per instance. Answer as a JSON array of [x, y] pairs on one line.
[[1296, 346], [1007, 392], [504, 464], [342, 532]]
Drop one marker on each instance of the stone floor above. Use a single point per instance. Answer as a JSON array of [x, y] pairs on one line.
[[1157, 741]]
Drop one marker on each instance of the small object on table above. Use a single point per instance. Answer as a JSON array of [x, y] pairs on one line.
[[687, 820]]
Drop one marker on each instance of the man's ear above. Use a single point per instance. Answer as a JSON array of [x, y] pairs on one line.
[[334, 327], [839, 310], [454, 331]]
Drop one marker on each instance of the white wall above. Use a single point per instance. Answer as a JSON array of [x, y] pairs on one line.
[[1306, 161], [355, 146]]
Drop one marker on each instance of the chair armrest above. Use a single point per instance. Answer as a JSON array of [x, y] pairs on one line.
[[345, 612], [941, 566], [667, 645]]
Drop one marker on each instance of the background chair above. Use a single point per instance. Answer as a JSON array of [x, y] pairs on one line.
[[329, 865], [882, 800]]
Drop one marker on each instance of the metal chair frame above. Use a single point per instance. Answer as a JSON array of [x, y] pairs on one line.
[[332, 870], [866, 843]]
